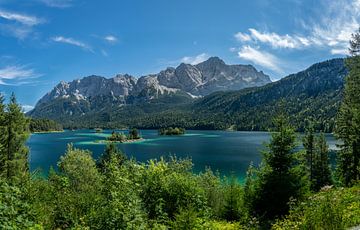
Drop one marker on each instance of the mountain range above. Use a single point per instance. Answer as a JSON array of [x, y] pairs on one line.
[[180, 84], [209, 95]]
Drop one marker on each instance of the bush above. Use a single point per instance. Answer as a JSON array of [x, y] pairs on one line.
[[329, 209]]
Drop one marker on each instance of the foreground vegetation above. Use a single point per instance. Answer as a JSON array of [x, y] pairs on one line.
[[115, 192], [291, 189]]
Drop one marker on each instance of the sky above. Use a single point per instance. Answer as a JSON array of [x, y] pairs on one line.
[[43, 42]]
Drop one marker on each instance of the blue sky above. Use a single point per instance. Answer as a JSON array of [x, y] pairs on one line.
[[45, 41]]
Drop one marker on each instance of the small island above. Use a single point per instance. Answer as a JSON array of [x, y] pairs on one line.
[[98, 130], [171, 131], [123, 138]]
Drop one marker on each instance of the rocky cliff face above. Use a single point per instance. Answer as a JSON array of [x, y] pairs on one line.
[[187, 80]]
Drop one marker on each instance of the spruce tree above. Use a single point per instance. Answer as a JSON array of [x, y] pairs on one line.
[[348, 120], [2, 136], [14, 141], [309, 145], [322, 171], [277, 181]]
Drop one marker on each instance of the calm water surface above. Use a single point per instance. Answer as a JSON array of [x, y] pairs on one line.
[[228, 152]]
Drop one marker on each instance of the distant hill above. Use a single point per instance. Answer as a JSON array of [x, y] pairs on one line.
[[315, 92]]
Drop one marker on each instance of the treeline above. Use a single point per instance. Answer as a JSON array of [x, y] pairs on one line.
[[44, 125]]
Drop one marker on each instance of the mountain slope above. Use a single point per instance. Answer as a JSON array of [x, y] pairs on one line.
[[174, 85], [315, 92]]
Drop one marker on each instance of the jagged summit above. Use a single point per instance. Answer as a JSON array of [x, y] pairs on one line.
[[198, 80]]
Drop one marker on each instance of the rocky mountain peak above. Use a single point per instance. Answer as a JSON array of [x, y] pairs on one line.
[[187, 80]]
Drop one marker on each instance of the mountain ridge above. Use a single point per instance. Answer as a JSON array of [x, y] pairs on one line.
[[314, 92], [185, 81]]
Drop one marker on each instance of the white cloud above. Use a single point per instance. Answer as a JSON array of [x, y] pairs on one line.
[[332, 31], [16, 73], [72, 41], [57, 3], [242, 37], [273, 39], [261, 58], [111, 39], [27, 108], [21, 18], [340, 51], [340, 20], [195, 59], [18, 25]]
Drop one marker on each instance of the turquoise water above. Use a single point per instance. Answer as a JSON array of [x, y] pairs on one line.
[[228, 152]]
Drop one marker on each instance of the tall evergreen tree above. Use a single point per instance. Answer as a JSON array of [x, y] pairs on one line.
[[277, 180], [15, 134], [2, 135], [348, 119], [322, 171], [309, 145]]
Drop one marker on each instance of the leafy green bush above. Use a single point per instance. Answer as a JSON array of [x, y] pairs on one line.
[[329, 209]]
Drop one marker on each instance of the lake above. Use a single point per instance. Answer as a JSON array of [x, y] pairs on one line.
[[228, 152]]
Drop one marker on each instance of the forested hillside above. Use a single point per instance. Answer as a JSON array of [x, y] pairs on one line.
[[314, 93]]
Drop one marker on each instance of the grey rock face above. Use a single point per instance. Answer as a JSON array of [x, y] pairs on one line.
[[194, 80]]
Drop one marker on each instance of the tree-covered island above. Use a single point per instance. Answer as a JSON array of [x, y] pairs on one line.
[[171, 131], [123, 138]]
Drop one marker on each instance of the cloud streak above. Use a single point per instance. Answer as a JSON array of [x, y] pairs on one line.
[[16, 73], [332, 31], [193, 60], [261, 58], [18, 25], [57, 3], [20, 18], [111, 39], [71, 41]]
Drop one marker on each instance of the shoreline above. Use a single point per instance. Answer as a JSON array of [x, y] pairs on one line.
[[120, 142], [44, 132]]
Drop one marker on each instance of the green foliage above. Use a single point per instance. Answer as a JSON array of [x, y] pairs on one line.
[[121, 206], [233, 200], [322, 172], [15, 210], [171, 131], [117, 137], [168, 187], [111, 151], [348, 126], [44, 125], [277, 179], [329, 209], [134, 134], [14, 133], [121, 137]]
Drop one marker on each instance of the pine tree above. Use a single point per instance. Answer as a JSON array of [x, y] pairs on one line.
[[309, 145], [16, 133], [322, 171], [348, 120], [111, 150], [2, 135], [277, 180]]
